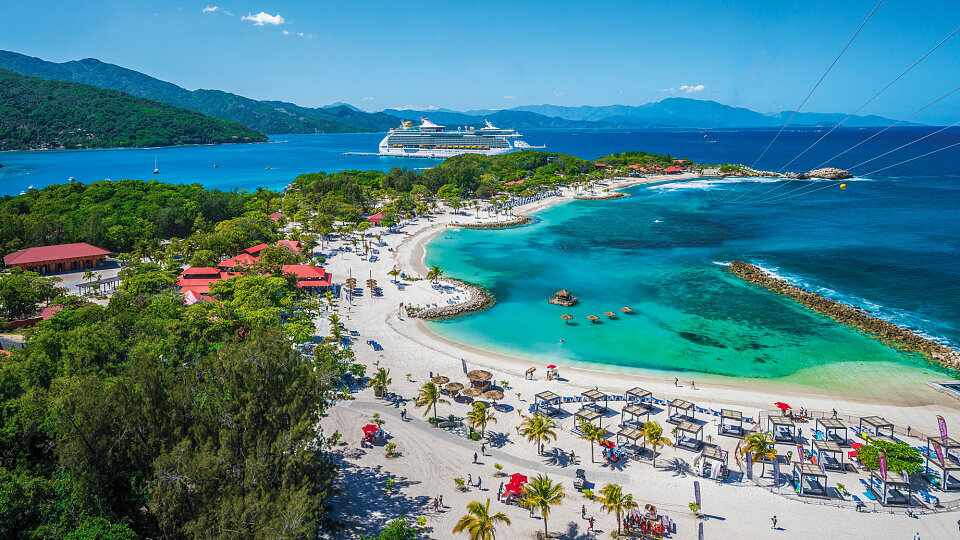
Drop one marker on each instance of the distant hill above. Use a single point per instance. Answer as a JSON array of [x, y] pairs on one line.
[[263, 116], [39, 113]]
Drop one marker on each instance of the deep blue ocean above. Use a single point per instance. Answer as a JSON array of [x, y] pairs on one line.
[[889, 242]]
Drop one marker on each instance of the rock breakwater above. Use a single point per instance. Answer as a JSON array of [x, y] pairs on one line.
[[479, 298], [887, 332], [519, 220], [605, 197]]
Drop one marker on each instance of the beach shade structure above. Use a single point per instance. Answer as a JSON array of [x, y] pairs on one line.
[[890, 490], [593, 318], [633, 436], [783, 429], [610, 314], [690, 435], [370, 429], [878, 425], [480, 378], [594, 396], [552, 372], [548, 403], [493, 395], [829, 452], [856, 445], [566, 317], [811, 480], [440, 379], [731, 423], [453, 387], [639, 395], [587, 415], [783, 406], [518, 479], [715, 454], [680, 410], [947, 472], [831, 429], [635, 410], [472, 392], [626, 310]]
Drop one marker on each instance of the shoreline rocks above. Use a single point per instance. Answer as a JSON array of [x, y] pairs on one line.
[[516, 222], [888, 333], [480, 298], [607, 197]]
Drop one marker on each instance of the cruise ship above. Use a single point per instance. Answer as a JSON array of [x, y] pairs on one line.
[[429, 140]]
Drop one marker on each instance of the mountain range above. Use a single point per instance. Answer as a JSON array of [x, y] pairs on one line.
[[268, 116]]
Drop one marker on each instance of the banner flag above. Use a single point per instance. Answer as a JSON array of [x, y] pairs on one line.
[[776, 472], [883, 465], [943, 427], [696, 491], [700, 534], [939, 450], [750, 465]]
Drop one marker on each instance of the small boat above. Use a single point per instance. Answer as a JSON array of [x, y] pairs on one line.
[[155, 169], [71, 179]]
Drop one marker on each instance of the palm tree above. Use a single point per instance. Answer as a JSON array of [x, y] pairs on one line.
[[591, 433], [613, 500], [653, 435], [541, 493], [428, 397], [380, 381], [480, 416], [762, 446], [478, 522], [435, 273], [538, 429], [335, 331]]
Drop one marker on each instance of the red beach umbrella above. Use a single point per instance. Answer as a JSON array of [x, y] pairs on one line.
[[370, 429], [551, 366], [606, 443], [518, 478], [782, 406]]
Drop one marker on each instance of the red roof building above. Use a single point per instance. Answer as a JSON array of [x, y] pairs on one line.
[[276, 216], [376, 218], [674, 169], [60, 258], [516, 182], [309, 276]]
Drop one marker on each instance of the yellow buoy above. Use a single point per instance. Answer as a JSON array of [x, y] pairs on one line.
[[843, 186]]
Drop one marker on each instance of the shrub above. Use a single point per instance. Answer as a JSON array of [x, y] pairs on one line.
[[695, 508], [461, 485], [389, 483], [390, 448], [421, 521], [432, 421], [588, 493], [499, 469]]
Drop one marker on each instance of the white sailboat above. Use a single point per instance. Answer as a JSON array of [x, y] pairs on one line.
[[155, 169]]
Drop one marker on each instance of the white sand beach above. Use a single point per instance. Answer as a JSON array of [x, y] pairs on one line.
[[431, 458]]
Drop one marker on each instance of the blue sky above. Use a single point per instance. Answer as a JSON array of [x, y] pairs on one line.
[[463, 55]]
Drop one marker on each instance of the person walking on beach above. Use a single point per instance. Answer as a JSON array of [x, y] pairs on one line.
[[693, 384], [541, 448], [676, 382], [479, 483], [483, 449], [474, 457], [591, 522], [834, 413], [773, 520], [436, 505], [441, 501], [583, 511], [403, 415], [470, 479]]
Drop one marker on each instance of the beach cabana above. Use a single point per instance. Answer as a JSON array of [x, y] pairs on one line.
[[588, 415], [831, 428], [547, 403], [594, 396], [810, 479], [679, 411], [711, 455], [639, 395], [876, 423], [890, 490], [783, 428], [480, 378], [635, 411], [689, 435], [633, 436], [828, 451], [951, 463], [731, 423]]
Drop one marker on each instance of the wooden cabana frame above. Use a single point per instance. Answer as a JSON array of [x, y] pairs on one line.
[[809, 475], [731, 423], [892, 481], [831, 427], [639, 395], [714, 454], [676, 411], [594, 396], [877, 423], [951, 463], [829, 447], [548, 401], [777, 424], [635, 410], [695, 430], [588, 415], [631, 434]]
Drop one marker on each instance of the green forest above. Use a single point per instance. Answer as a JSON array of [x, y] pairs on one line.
[[38, 114]]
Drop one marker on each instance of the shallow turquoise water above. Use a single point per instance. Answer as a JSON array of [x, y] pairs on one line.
[[658, 253]]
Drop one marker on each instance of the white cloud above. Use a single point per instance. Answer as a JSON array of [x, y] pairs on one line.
[[368, 98], [210, 9], [508, 97], [301, 34], [619, 91], [557, 93], [669, 90], [285, 32], [263, 18], [689, 89]]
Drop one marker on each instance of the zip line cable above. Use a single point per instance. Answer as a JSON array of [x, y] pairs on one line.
[[812, 90], [888, 127], [882, 90], [913, 158], [905, 145]]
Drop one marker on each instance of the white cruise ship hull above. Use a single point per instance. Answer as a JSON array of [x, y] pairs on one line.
[[440, 152]]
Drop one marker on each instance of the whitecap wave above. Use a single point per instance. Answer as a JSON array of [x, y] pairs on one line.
[[710, 183]]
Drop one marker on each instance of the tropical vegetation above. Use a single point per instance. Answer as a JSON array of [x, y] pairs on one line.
[[592, 434], [900, 456], [541, 493], [653, 435], [480, 416], [538, 429], [762, 449], [428, 397], [479, 523], [614, 501]]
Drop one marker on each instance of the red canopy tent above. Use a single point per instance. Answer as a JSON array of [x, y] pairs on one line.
[[606, 443], [376, 218], [782, 406], [516, 489], [370, 429], [518, 478]]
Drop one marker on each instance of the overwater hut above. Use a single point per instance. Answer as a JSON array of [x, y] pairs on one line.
[[831, 428], [563, 297], [680, 410], [878, 424], [635, 410], [829, 452], [946, 466], [783, 428], [639, 395], [547, 403], [594, 396], [811, 480], [731, 423], [890, 490], [689, 435], [633, 436], [480, 378]]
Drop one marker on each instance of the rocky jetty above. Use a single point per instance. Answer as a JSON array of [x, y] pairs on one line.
[[604, 197], [517, 221], [827, 173], [480, 298], [889, 333]]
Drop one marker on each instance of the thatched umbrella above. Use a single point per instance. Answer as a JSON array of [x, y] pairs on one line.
[[626, 310], [610, 314], [440, 379], [454, 387], [592, 317], [472, 392], [479, 377], [566, 317], [493, 395]]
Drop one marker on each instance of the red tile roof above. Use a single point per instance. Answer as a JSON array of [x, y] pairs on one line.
[[309, 276], [54, 253], [243, 259], [50, 311], [255, 250], [276, 216], [201, 270], [376, 218], [292, 245]]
